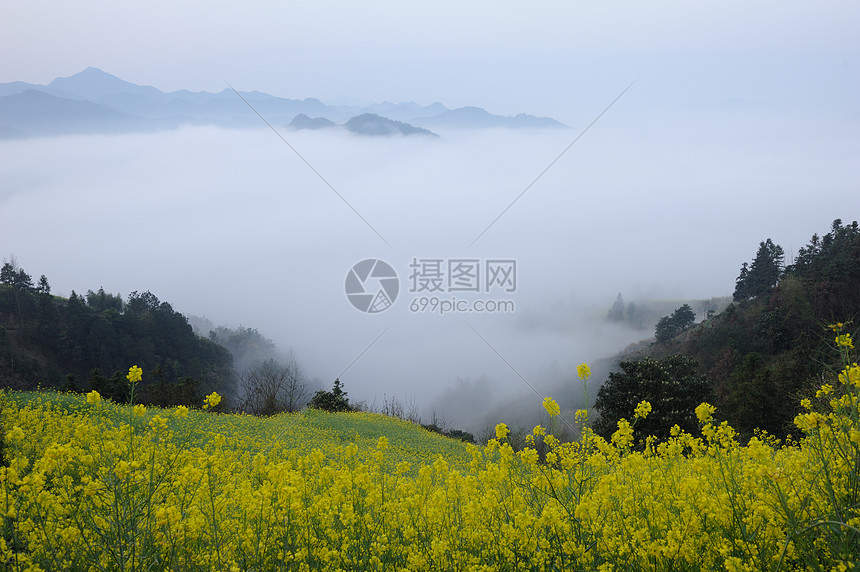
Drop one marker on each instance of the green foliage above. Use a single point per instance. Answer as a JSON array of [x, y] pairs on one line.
[[45, 339], [752, 397], [670, 326], [332, 401], [461, 435], [770, 345], [664, 330], [671, 385], [170, 393], [683, 317], [101, 301], [14, 276], [764, 273], [830, 268]]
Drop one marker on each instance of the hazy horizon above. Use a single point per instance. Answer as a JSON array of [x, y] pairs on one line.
[[557, 58]]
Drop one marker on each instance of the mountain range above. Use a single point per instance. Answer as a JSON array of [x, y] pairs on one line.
[[94, 101]]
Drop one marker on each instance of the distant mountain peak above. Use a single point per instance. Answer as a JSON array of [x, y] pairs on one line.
[[95, 70], [478, 117], [89, 74], [149, 109], [93, 84], [302, 121], [373, 124]]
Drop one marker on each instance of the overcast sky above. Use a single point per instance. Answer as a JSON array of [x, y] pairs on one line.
[[544, 58]]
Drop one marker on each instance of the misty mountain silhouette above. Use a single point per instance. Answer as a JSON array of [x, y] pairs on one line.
[[35, 113], [478, 118], [372, 124], [302, 121], [92, 84], [93, 101]]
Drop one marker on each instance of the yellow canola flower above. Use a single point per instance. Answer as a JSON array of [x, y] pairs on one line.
[[529, 456], [139, 410], [583, 371], [16, 434], [158, 423], [211, 400], [850, 375], [135, 374], [182, 412], [538, 430], [502, 431], [642, 410], [623, 436], [705, 413], [403, 467], [844, 341], [826, 389], [551, 406], [93, 397]]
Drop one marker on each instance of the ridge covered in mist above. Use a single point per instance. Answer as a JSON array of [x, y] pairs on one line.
[[93, 101]]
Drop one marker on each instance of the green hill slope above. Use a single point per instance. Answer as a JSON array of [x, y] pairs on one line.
[[245, 436], [773, 344]]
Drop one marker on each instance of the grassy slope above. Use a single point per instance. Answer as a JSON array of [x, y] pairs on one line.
[[304, 431]]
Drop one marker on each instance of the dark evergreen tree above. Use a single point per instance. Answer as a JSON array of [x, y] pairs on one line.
[[754, 398], [670, 326], [616, 312], [101, 301], [55, 336], [16, 300], [665, 330], [830, 268], [334, 400], [741, 284], [683, 318], [763, 274], [672, 386], [8, 273]]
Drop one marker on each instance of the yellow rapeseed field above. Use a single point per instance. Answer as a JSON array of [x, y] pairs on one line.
[[89, 485]]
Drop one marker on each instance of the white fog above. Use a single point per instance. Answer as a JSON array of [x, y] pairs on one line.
[[233, 226]]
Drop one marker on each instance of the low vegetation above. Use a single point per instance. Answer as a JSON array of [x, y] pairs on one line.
[[89, 485]]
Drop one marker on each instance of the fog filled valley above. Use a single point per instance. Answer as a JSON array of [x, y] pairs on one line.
[[232, 227]]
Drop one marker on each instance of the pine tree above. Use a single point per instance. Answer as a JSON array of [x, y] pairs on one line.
[[763, 274], [616, 312]]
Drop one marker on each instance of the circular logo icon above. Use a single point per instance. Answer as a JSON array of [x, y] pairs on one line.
[[372, 285]]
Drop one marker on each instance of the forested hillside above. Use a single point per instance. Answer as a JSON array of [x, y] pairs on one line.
[[771, 345], [88, 342]]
